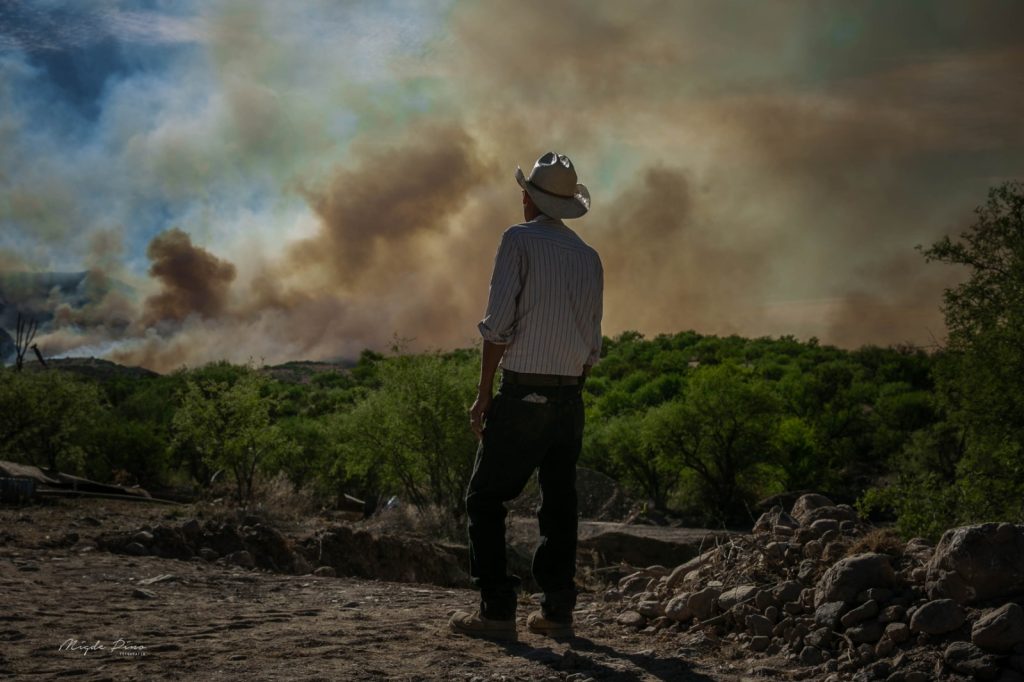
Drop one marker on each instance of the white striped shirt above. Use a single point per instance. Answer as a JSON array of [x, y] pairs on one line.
[[545, 301]]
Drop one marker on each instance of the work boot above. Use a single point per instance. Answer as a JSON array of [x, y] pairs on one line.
[[539, 624], [475, 625]]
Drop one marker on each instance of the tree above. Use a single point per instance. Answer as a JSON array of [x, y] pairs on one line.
[[231, 426], [723, 429], [981, 378], [47, 417], [970, 467], [411, 432], [624, 448]]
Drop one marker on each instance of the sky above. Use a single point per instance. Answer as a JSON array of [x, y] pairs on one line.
[[268, 181]]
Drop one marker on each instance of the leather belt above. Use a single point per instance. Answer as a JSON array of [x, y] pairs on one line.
[[526, 379]]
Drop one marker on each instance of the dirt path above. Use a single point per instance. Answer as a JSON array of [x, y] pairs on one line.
[[206, 621]]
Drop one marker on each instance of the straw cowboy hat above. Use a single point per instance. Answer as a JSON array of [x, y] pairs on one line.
[[552, 186]]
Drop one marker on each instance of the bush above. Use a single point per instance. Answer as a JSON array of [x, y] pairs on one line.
[[47, 418]]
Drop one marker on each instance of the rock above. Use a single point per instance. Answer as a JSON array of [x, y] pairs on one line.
[[978, 563], [868, 609], [736, 595], [1000, 629], [759, 625], [635, 583], [807, 571], [135, 549], [612, 595], [772, 519], [763, 599], [810, 655], [841, 513], [879, 594], [893, 614], [192, 529], [865, 633], [702, 603], [760, 643], [677, 610], [879, 670], [806, 503], [812, 550], [967, 659], [208, 554], [143, 537], [325, 571], [828, 614], [821, 638], [139, 593], [651, 608], [937, 617], [849, 576], [675, 578], [241, 558], [631, 619], [822, 526], [897, 632], [884, 647], [772, 613], [834, 551], [84, 546], [787, 591]]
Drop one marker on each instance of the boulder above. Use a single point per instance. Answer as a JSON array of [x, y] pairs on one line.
[[631, 619], [774, 519], [822, 526], [967, 659], [977, 563], [736, 595], [850, 576], [759, 625], [636, 545], [828, 614], [760, 643], [677, 610], [840, 513], [1000, 630], [651, 608], [806, 503], [938, 617], [702, 604], [865, 633], [868, 609]]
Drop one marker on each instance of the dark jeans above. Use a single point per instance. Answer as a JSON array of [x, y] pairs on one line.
[[522, 436]]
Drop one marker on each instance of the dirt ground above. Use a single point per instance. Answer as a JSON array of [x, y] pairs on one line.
[[92, 615]]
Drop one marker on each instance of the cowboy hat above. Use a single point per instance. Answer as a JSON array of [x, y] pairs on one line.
[[552, 186]]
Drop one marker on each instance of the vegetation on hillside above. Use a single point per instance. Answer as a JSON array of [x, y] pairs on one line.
[[703, 426]]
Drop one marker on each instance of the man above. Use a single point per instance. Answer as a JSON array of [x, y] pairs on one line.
[[543, 328]]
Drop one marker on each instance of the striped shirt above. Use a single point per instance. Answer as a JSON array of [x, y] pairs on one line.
[[545, 299]]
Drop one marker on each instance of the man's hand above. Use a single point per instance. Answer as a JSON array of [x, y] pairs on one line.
[[477, 413], [490, 358]]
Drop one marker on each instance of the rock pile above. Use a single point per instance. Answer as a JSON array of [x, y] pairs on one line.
[[249, 545], [338, 550], [816, 591]]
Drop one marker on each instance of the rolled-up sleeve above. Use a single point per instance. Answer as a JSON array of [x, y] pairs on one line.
[[499, 323], [595, 346]]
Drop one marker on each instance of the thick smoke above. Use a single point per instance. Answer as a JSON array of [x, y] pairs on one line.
[[755, 168], [193, 280]]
